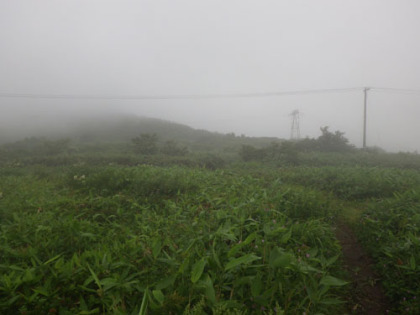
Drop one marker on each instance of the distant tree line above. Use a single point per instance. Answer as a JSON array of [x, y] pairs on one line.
[[148, 144], [37, 146], [288, 151]]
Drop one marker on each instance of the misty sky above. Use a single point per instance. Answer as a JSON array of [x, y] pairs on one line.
[[178, 47]]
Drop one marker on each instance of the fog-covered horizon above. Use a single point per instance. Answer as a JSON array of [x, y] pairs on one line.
[[188, 47]]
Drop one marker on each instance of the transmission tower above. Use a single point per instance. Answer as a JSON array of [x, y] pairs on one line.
[[295, 132]]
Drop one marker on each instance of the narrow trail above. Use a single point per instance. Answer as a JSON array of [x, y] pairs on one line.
[[366, 296]]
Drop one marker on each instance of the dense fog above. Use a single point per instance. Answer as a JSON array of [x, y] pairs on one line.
[[69, 59]]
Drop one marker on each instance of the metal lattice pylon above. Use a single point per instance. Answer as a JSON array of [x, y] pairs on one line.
[[295, 132]]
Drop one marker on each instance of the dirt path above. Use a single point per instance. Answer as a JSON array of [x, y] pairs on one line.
[[366, 295]]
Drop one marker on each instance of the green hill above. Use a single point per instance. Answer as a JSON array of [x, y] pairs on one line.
[[122, 129]]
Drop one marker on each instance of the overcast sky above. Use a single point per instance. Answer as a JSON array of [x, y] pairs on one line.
[[178, 47]]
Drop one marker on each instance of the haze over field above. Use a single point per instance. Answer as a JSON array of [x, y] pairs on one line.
[[151, 160], [169, 48]]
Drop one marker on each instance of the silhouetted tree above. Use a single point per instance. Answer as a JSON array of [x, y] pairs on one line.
[[333, 142]]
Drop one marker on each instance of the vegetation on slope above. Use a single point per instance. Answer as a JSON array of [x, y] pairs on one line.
[[154, 224]]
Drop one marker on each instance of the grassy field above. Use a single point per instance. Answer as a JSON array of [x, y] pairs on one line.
[[128, 237]]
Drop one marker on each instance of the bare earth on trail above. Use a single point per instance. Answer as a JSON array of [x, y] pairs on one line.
[[367, 294]]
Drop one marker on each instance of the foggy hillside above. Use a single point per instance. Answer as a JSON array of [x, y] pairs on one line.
[[122, 129]]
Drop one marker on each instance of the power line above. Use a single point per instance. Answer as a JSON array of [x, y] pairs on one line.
[[202, 96], [395, 90], [174, 97]]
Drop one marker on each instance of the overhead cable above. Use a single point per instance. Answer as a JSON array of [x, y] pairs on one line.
[[174, 96], [395, 90], [202, 96]]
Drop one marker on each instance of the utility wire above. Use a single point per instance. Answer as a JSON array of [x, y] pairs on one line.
[[395, 90], [173, 97], [201, 96]]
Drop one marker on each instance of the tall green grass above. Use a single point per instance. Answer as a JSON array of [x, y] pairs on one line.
[[390, 230], [85, 240]]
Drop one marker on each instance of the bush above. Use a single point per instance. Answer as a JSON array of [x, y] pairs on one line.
[[146, 144], [172, 148]]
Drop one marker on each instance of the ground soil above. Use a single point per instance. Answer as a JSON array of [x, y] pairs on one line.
[[366, 295]]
